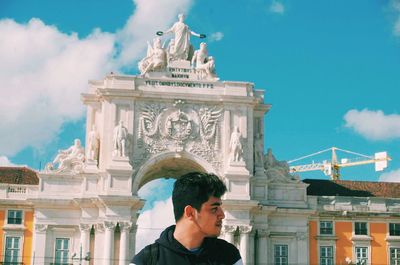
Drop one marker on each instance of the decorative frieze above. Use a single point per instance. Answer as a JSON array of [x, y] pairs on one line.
[[177, 127]]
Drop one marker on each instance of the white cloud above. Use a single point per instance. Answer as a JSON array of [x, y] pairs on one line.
[[158, 187], [277, 7], [392, 176], [373, 125], [5, 162], [43, 71], [216, 36], [396, 28], [152, 222], [395, 5]]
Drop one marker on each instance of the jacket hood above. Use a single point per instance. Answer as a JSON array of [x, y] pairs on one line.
[[167, 240]]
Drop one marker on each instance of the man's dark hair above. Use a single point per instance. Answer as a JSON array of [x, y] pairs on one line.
[[194, 189]]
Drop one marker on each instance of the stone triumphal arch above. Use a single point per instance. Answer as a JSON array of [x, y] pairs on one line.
[[174, 117]]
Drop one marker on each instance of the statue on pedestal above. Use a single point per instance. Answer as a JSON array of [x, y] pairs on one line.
[[93, 144], [70, 159], [236, 148], [258, 150], [120, 140], [204, 64], [156, 58], [181, 48]]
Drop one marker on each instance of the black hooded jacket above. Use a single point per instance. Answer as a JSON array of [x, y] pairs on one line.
[[213, 251]]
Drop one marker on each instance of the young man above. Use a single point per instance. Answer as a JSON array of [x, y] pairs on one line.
[[196, 198]]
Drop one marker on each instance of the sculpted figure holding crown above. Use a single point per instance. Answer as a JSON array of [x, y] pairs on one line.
[[181, 48]]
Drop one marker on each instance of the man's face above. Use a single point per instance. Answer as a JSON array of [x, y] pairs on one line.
[[209, 218]]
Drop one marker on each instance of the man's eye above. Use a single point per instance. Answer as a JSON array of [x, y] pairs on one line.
[[214, 210]]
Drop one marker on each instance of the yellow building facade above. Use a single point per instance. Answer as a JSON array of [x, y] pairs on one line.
[[16, 215], [349, 222], [354, 223]]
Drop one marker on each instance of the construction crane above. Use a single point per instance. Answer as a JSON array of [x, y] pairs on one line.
[[332, 167]]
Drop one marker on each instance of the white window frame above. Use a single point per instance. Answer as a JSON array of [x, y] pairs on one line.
[[398, 224], [15, 210], [68, 250], [367, 257], [282, 238], [63, 232], [287, 252], [390, 255], [12, 234], [367, 226], [326, 221], [320, 253], [362, 241]]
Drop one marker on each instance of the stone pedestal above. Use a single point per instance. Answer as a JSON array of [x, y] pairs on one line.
[[237, 168], [121, 163], [91, 166]]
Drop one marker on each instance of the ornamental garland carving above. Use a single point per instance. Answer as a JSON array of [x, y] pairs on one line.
[[177, 127]]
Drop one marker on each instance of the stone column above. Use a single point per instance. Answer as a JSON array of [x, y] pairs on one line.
[[302, 242], [85, 241], [39, 249], [245, 243], [124, 243], [229, 233], [262, 251], [132, 240], [108, 243]]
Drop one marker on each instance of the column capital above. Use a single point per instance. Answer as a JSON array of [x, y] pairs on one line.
[[99, 227], [245, 229], [229, 228], [263, 233], [41, 228], [109, 225], [125, 226], [85, 227]]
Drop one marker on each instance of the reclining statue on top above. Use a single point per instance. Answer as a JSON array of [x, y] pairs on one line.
[[69, 160], [277, 170]]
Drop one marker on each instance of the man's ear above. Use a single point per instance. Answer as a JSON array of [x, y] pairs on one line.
[[189, 212]]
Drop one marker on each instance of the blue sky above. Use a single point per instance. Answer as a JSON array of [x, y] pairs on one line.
[[316, 61], [330, 69]]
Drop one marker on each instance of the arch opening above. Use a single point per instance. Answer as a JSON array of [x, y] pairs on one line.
[[169, 165], [153, 187]]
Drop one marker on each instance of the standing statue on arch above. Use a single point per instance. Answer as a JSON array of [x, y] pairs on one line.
[[236, 148], [120, 140], [182, 49]]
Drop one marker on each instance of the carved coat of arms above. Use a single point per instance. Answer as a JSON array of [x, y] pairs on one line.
[[181, 126]]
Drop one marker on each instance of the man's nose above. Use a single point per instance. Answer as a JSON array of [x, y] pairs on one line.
[[221, 214]]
